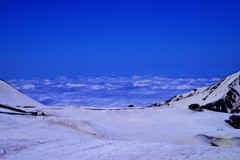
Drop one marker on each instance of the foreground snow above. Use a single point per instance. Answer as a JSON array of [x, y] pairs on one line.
[[150, 133]]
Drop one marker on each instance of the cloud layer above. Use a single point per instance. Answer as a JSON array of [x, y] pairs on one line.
[[108, 91]]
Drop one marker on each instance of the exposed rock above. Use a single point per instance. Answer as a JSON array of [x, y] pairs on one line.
[[38, 113], [35, 113], [195, 107], [234, 121], [12, 108], [229, 103]]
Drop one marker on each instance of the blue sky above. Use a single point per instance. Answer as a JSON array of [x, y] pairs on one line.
[[72, 38]]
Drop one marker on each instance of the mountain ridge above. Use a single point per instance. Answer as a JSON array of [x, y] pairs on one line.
[[223, 96]]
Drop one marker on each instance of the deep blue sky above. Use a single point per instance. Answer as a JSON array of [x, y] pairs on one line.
[[47, 39]]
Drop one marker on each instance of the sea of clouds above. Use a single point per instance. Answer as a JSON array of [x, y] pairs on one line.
[[108, 91]]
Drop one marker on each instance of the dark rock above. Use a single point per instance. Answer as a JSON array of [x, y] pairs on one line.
[[218, 106], [38, 113], [131, 106], [156, 105], [236, 110], [29, 107], [234, 121], [177, 99], [170, 99], [225, 104], [195, 107], [213, 144], [12, 108]]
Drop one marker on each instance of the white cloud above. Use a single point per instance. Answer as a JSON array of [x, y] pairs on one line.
[[142, 83], [184, 86], [215, 79], [72, 85], [97, 87], [28, 87], [114, 90]]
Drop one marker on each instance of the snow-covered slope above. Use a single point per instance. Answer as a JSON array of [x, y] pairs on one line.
[[75, 133], [223, 96], [12, 97]]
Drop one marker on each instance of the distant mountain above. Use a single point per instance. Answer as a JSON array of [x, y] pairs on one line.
[[12, 97], [224, 96]]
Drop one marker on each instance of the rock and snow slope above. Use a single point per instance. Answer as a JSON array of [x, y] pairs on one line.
[[12, 97], [223, 96]]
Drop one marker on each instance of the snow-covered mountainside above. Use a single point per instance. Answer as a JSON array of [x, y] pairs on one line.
[[12, 97], [224, 96]]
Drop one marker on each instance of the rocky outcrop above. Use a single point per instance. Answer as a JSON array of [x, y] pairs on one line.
[[234, 121], [195, 107]]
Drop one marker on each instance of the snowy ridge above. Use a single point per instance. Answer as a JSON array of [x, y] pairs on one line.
[[224, 96], [12, 97]]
